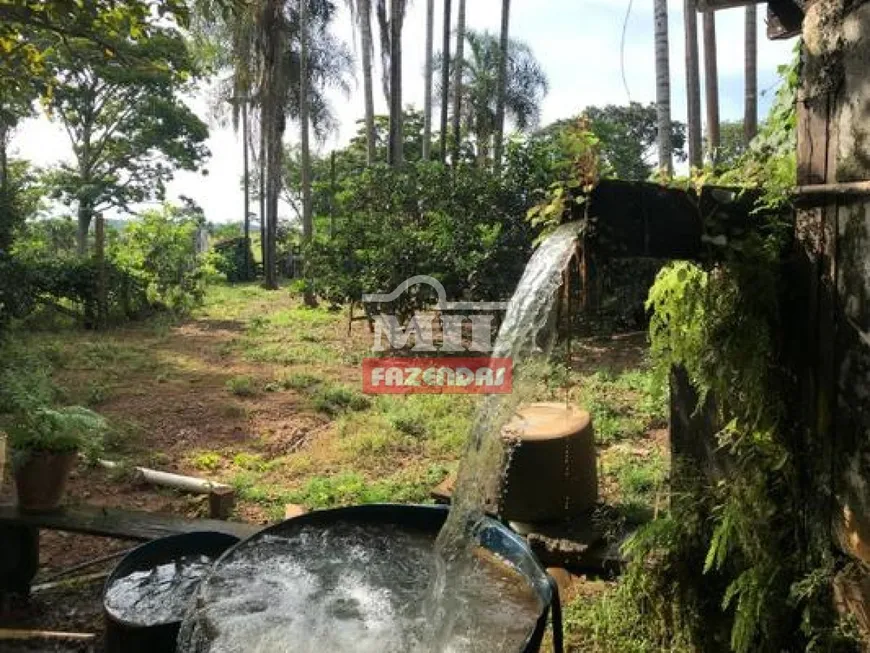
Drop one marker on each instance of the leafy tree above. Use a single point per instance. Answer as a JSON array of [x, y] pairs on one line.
[[128, 127], [270, 45], [21, 199], [628, 135], [159, 250], [465, 227], [525, 87], [732, 144]]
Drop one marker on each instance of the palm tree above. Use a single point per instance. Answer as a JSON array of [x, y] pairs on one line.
[[750, 119], [390, 19], [304, 113], [504, 43], [663, 87], [458, 63], [445, 80], [427, 90], [526, 84], [693, 84], [361, 13], [272, 50], [247, 192], [711, 84], [235, 91], [397, 16]]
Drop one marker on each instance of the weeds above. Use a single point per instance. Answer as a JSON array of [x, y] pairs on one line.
[[209, 461], [335, 400], [242, 386]]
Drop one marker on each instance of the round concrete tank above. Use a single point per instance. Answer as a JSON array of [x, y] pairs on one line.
[[552, 472]]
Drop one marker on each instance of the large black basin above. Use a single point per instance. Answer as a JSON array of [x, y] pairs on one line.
[[426, 520], [127, 637]]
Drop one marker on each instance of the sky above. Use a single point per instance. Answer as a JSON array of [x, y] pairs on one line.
[[577, 42]]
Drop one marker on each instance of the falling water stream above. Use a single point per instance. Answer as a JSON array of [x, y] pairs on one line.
[[365, 587], [523, 337]]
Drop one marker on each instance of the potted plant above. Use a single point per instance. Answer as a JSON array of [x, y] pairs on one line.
[[45, 443]]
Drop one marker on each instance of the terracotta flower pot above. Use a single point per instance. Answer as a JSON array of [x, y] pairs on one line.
[[41, 479]]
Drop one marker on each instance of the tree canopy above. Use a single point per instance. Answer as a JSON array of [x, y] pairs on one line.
[[127, 124]]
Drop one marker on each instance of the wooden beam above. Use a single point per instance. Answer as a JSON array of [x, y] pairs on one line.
[[640, 219], [716, 5], [121, 524]]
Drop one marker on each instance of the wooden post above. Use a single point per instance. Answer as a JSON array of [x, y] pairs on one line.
[[221, 501], [20, 558]]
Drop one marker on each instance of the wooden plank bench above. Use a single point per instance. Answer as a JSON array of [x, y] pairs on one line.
[[121, 524], [19, 534]]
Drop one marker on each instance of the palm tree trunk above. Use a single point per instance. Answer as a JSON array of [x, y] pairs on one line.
[[750, 119], [304, 111], [457, 82], [445, 80], [396, 155], [262, 168], [395, 150], [246, 217], [711, 85], [502, 82], [663, 87], [693, 85], [365, 18], [427, 91], [273, 125]]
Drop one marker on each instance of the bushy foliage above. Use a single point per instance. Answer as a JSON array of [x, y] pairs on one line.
[[25, 380], [27, 283], [57, 430], [158, 250], [231, 258], [464, 227]]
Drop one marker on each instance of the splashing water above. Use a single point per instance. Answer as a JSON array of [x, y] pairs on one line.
[[522, 335], [368, 588], [349, 587], [159, 595]]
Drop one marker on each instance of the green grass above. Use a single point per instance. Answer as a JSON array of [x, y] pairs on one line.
[[242, 386], [347, 488], [208, 461], [641, 479], [336, 399], [622, 406], [352, 488], [299, 381]]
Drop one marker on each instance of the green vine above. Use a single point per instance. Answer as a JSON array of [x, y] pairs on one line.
[[578, 169], [736, 564]]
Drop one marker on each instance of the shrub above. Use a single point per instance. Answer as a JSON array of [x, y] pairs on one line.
[[466, 228], [66, 284], [58, 430], [242, 386], [159, 250], [25, 381], [230, 258], [338, 399]]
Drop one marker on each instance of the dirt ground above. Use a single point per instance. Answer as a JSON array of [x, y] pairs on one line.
[[175, 390]]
